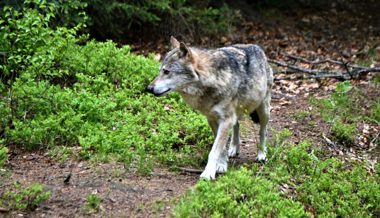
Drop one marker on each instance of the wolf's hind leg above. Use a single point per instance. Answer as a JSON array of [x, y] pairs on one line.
[[234, 148], [263, 113]]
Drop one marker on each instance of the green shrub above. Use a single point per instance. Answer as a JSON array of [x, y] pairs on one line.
[[68, 13], [343, 133], [343, 110], [105, 112], [298, 161], [5, 110], [120, 19], [339, 103], [341, 193], [296, 181], [26, 40], [93, 202], [62, 91], [3, 154], [376, 112], [27, 198], [301, 115], [238, 194]]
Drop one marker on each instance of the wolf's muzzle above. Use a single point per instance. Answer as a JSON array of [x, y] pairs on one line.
[[150, 89]]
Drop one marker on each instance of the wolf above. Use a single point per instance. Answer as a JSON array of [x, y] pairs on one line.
[[224, 84]]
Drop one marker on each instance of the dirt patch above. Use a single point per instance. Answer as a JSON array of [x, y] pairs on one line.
[[123, 194]]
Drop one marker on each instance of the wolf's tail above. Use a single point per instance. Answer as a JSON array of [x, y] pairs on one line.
[[255, 116]]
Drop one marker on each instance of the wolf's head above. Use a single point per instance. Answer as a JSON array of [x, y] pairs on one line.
[[176, 71]]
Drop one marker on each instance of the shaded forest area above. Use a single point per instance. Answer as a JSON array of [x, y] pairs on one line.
[[131, 22]]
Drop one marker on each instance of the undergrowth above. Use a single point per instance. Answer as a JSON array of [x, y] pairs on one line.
[[93, 202], [58, 89], [24, 198], [296, 181], [3, 154], [344, 111]]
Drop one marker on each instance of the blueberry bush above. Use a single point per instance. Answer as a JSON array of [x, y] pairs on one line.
[[60, 89]]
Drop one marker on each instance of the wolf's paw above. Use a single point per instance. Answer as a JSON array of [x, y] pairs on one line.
[[210, 170], [221, 166], [208, 174], [261, 157], [233, 151]]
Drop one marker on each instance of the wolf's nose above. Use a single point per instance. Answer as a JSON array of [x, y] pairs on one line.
[[149, 89]]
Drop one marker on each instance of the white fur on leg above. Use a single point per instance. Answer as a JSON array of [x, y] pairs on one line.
[[233, 151], [261, 156], [215, 165], [210, 170], [222, 164]]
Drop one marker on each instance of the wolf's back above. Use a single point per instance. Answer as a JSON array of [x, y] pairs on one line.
[[257, 61]]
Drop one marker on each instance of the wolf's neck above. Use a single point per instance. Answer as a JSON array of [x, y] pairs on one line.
[[192, 90]]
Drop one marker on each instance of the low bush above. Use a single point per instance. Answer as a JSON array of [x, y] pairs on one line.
[[376, 112], [121, 20], [93, 202], [338, 103], [3, 154], [25, 198], [238, 194], [343, 110], [297, 181], [343, 133], [59, 90]]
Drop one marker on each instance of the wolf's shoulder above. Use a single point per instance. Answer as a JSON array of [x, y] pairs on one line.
[[246, 49]]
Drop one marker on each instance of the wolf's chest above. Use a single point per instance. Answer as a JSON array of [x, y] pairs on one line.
[[196, 99]]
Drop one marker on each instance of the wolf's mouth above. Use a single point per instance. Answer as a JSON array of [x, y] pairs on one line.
[[162, 93]]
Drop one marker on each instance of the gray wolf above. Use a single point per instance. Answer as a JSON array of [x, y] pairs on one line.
[[223, 84]]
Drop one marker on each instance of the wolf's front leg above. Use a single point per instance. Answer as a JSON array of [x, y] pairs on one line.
[[217, 158]]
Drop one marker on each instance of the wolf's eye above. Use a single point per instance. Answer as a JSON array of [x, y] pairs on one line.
[[166, 72]]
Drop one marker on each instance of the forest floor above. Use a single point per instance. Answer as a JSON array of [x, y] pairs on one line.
[[123, 194]]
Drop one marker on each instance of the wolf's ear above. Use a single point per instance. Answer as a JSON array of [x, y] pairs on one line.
[[174, 42], [186, 52]]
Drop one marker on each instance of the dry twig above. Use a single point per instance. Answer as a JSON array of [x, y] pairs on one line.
[[328, 141], [317, 62], [320, 74], [190, 170], [3, 210]]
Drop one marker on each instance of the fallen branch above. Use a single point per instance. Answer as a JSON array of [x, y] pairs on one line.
[[190, 170], [368, 70], [318, 62], [3, 210], [338, 75], [293, 67], [328, 141], [318, 74]]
